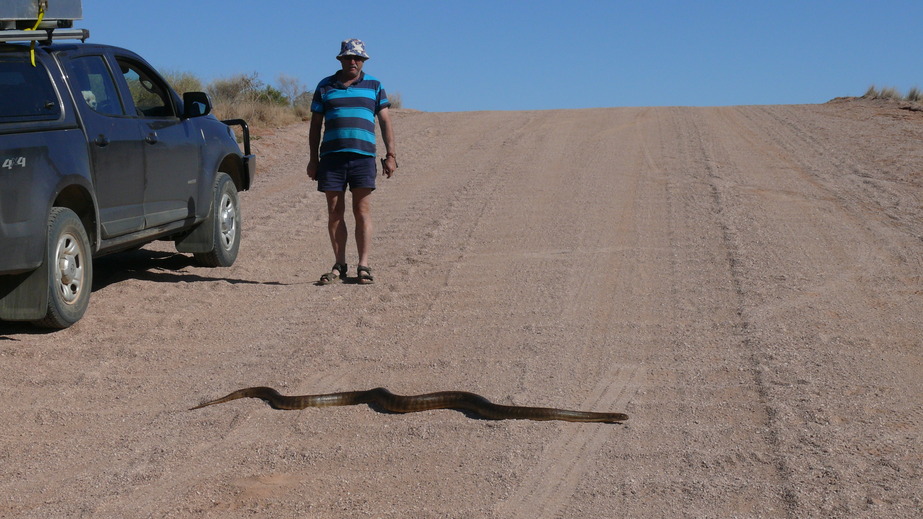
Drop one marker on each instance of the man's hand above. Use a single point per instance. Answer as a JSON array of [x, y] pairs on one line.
[[312, 169], [388, 165]]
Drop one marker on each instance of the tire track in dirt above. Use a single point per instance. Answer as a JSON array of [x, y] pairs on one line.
[[865, 186], [551, 480], [712, 154], [790, 245], [593, 304]]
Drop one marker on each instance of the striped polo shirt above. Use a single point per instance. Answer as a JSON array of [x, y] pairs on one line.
[[349, 113]]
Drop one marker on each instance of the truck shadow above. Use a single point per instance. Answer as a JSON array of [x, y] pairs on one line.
[[157, 266], [147, 265]]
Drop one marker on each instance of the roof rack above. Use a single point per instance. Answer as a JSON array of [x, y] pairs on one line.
[[45, 35]]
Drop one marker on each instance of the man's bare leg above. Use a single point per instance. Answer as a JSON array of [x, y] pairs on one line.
[[362, 210], [336, 225]]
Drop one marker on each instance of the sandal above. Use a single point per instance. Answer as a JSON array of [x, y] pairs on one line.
[[365, 275], [332, 276]]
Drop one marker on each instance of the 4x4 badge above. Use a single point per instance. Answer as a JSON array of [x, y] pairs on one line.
[[14, 162]]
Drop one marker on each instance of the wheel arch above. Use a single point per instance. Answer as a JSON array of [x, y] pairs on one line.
[[232, 165], [80, 201]]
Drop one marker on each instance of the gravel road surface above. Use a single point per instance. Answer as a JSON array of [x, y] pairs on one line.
[[745, 282]]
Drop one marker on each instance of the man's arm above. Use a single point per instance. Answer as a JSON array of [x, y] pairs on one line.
[[317, 123], [387, 135]]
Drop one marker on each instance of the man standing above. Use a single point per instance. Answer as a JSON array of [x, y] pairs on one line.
[[349, 101]]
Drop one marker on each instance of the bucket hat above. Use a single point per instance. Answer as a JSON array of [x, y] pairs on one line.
[[352, 47]]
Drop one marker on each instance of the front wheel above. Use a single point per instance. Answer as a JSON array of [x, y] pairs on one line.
[[69, 264], [225, 221]]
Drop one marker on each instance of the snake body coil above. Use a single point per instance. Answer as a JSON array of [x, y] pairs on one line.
[[459, 400]]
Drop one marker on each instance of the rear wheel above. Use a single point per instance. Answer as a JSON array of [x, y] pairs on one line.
[[69, 264], [225, 225]]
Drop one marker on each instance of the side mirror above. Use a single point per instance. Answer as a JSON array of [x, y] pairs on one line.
[[196, 104]]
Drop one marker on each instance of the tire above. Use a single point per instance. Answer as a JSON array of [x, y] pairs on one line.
[[69, 263], [226, 221]]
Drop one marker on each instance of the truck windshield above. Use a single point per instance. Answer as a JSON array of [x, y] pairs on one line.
[[26, 93]]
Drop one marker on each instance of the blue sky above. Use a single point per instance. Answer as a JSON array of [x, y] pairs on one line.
[[540, 54]]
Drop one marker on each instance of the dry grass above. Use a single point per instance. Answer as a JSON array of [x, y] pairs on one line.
[[256, 113], [914, 95], [183, 81], [396, 101], [891, 93]]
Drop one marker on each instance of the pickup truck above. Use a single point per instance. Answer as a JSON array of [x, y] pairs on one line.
[[98, 154]]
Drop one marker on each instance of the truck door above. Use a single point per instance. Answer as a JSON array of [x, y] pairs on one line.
[[172, 146], [115, 143]]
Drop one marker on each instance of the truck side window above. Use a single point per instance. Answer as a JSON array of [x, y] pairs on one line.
[[26, 92], [91, 75], [150, 96]]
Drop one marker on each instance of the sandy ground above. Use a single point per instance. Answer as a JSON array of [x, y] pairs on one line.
[[745, 282]]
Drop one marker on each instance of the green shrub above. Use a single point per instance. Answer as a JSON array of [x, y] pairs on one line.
[[272, 95]]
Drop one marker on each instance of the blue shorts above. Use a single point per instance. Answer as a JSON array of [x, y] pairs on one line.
[[337, 170]]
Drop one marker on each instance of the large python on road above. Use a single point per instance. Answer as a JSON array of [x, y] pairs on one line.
[[381, 397]]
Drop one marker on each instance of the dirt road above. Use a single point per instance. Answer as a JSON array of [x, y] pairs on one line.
[[745, 282]]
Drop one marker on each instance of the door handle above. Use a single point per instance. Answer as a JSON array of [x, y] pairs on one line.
[[151, 138], [102, 141]]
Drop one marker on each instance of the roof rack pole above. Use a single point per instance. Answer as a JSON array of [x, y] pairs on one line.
[[51, 35]]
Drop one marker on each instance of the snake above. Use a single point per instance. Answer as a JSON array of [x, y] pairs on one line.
[[384, 399]]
